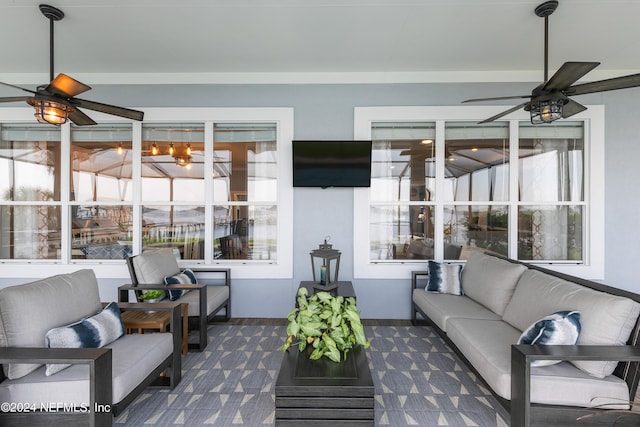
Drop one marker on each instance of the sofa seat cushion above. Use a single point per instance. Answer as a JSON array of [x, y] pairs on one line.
[[216, 295], [32, 309], [490, 280], [487, 346], [134, 357], [442, 307], [605, 319]]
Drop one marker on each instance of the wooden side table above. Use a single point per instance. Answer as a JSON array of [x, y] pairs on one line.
[[160, 320]]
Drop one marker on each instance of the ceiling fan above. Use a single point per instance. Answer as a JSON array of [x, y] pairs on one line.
[[55, 103], [550, 100]]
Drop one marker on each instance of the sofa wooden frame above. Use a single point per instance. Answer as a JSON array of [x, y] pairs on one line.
[[200, 322], [523, 412], [100, 377]]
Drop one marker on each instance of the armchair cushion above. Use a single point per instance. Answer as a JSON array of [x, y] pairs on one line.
[[186, 277], [152, 266], [93, 332], [216, 295], [57, 300]]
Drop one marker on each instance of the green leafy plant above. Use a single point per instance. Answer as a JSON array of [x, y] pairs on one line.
[[330, 325], [147, 295]]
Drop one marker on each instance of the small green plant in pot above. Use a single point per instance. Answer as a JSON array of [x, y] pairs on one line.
[[151, 296], [330, 325]]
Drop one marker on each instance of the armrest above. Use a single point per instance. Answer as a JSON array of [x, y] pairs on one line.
[[225, 271], [41, 355], [523, 355], [100, 373], [146, 306], [415, 275]]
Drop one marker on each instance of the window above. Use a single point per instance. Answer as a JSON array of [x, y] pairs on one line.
[[212, 184], [444, 186], [100, 192], [172, 182], [245, 191], [30, 214]]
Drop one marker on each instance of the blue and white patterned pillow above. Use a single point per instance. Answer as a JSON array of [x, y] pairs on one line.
[[93, 332], [561, 328], [444, 278], [186, 277]]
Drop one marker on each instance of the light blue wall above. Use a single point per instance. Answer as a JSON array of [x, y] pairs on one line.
[[326, 111]]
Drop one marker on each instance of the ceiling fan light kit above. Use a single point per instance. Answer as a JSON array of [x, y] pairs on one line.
[[550, 100], [55, 103], [51, 112]]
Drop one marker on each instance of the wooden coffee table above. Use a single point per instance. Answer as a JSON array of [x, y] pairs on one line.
[[323, 392]]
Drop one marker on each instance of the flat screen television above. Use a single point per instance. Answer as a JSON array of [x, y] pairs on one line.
[[327, 164]]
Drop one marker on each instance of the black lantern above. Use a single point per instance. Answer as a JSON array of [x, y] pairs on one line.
[[326, 253]]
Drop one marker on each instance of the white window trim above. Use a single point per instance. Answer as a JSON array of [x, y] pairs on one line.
[[593, 117], [242, 269]]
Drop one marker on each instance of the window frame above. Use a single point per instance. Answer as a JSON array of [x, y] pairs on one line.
[[282, 267], [594, 139]]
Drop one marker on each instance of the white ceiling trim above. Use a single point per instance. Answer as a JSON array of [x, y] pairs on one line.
[[303, 77]]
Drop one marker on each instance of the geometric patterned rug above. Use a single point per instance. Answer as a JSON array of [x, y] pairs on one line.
[[419, 381]]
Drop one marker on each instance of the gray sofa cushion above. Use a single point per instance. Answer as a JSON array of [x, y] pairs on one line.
[[57, 300], [153, 269], [134, 357], [605, 319], [487, 346], [442, 307], [490, 280]]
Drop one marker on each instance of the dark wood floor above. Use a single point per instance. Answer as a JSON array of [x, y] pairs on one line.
[[283, 322]]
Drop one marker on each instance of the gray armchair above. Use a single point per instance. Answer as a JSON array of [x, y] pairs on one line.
[[205, 300]]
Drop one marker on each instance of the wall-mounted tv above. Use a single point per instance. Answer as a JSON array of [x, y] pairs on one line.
[[331, 163]]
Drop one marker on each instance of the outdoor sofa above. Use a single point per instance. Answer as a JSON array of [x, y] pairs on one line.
[[501, 299]]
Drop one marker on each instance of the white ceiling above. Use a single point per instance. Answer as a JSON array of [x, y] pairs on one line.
[[299, 41]]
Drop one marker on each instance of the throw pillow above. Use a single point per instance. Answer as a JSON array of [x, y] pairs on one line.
[[444, 278], [186, 277], [93, 332], [561, 328]]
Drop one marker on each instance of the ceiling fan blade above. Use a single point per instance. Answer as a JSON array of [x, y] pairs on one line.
[[569, 73], [15, 98], [623, 82], [18, 87], [499, 98], [109, 109], [572, 107], [81, 119], [504, 113], [66, 86]]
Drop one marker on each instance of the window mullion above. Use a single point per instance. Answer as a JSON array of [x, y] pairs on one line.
[[438, 236], [136, 177], [514, 170], [208, 191], [65, 220]]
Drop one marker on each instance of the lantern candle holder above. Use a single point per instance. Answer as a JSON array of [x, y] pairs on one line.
[[321, 262]]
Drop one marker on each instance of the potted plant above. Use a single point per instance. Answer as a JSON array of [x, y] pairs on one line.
[[330, 325], [151, 296]]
